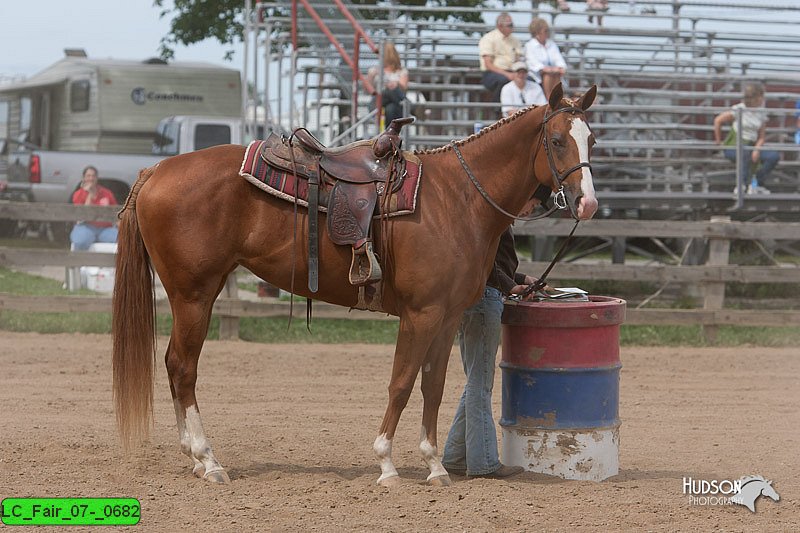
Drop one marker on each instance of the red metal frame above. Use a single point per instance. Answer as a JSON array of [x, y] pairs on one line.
[[359, 34]]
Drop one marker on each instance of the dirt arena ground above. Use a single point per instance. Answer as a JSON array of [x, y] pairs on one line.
[[294, 425]]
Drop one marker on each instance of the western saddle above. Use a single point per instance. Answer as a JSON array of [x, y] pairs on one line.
[[356, 175]]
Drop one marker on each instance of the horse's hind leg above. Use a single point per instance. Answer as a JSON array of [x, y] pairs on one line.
[[434, 372], [191, 317]]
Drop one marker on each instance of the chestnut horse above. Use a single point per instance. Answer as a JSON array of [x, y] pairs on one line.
[[194, 219]]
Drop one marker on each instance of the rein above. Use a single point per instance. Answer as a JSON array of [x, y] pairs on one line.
[[559, 200], [542, 281]]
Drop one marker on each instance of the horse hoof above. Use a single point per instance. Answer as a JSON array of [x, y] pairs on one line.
[[218, 476], [440, 481], [199, 471], [393, 481]]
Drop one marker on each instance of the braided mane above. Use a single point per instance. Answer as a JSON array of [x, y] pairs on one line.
[[500, 123]]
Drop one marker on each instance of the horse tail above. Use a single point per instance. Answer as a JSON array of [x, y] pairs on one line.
[[133, 325]]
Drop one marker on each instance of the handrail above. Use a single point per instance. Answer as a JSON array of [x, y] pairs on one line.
[[358, 34]]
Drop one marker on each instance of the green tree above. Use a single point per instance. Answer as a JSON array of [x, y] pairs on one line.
[[193, 21]]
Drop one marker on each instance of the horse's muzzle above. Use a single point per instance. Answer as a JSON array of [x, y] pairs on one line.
[[587, 207]]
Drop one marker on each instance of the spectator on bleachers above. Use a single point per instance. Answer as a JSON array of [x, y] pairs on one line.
[[84, 234], [596, 5], [562, 5], [395, 83], [521, 91], [498, 50], [544, 59], [753, 135]]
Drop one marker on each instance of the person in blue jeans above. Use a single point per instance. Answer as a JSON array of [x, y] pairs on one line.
[[85, 233], [471, 447], [753, 136]]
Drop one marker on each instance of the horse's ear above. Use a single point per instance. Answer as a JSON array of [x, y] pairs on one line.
[[587, 99], [555, 96]]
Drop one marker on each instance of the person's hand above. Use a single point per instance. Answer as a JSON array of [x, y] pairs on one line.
[[755, 156], [518, 289], [86, 186]]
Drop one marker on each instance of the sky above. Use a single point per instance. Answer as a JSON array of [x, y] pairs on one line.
[[35, 33]]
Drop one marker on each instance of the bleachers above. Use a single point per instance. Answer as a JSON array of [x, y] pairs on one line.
[[662, 78]]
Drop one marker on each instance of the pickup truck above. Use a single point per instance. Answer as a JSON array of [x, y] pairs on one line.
[[52, 176]]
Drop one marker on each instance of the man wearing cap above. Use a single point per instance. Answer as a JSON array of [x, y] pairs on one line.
[[499, 50], [520, 91]]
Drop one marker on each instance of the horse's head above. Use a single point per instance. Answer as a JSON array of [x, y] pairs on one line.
[[568, 142], [768, 491]]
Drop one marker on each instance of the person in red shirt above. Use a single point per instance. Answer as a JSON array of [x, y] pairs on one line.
[[90, 193]]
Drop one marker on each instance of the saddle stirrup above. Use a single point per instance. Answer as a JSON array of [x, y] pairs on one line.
[[364, 267]]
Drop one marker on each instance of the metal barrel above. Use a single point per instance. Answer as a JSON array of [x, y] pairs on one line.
[[560, 367]]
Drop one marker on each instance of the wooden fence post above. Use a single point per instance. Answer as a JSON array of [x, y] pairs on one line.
[[229, 325], [714, 291]]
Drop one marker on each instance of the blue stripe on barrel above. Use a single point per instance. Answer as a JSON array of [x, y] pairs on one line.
[[557, 398]]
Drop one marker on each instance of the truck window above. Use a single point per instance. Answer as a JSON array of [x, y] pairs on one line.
[[79, 96], [206, 135], [167, 138]]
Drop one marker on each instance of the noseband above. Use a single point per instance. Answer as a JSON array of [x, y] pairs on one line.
[[559, 200]]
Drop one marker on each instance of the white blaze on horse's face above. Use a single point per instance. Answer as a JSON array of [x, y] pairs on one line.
[[580, 132]]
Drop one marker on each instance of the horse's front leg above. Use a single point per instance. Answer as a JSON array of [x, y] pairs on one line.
[[417, 331], [434, 371]]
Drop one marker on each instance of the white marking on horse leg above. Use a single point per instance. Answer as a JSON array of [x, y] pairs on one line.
[[199, 444], [383, 449], [430, 454], [183, 435], [580, 132]]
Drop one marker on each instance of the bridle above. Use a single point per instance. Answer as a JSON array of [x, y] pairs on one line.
[[542, 192], [559, 200]]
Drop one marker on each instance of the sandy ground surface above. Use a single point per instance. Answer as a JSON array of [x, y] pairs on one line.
[[294, 425]]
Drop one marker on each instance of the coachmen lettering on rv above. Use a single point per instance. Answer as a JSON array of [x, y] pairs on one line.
[[141, 96]]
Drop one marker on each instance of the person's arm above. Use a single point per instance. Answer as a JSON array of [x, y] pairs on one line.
[[762, 137], [559, 59], [489, 62], [725, 117], [522, 281]]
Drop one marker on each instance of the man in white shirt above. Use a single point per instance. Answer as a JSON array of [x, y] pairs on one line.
[[520, 91], [498, 50]]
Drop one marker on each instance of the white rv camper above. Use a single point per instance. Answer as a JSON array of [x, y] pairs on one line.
[[109, 105]]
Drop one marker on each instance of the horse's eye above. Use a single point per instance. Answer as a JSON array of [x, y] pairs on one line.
[[556, 141]]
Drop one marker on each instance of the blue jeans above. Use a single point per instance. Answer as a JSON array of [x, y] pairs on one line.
[[472, 441], [494, 83], [767, 159], [84, 235]]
